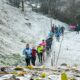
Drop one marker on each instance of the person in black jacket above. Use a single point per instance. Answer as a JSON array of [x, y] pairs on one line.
[[48, 44], [77, 28], [62, 30]]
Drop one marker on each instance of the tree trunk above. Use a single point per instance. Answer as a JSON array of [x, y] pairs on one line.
[[22, 5]]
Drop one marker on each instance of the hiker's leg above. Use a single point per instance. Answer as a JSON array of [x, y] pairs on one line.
[[32, 61], [26, 61], [41, 57]]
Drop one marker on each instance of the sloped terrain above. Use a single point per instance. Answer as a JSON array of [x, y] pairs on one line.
[[66, 51], [18, 28]]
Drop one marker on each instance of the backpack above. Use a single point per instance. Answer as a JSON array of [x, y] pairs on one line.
[[27, 53]]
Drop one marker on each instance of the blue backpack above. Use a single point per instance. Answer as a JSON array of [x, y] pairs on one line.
[[27, 53]]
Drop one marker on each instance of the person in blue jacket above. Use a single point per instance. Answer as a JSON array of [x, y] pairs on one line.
[[50, 34], [28, 53], [58, 35]]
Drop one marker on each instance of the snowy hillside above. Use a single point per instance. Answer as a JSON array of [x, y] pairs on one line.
[[18, 28], [69, 51]]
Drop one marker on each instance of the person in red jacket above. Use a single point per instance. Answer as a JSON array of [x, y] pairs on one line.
[[34, 51]]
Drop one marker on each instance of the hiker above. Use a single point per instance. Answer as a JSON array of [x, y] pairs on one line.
[[33, 58], [43, 43], [40, 52], [59, 29], [72, 26], [52, 28], [77, 28], [50, 34], [27, 52], [62, 30], [57, 34], [56, 29], [48, 44]]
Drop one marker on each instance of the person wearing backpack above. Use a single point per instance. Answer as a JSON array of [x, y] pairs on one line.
[[62, 30], [77, 28], [40, 52], [28, 53], [50, 34], [58, 36], [43, 43], [48, 44], [33, 59], [52, 29]]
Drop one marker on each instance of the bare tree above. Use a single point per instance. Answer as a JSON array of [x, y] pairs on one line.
[[22, 5], [72, 11], [15, 3], [49, 6]]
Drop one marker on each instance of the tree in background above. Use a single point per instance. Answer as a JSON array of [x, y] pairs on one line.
[[49, 6], [67, 11], [72, 12], [22, 5], [16, 3]]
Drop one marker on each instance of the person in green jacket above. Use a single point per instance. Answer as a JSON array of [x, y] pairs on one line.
[[40, 51]]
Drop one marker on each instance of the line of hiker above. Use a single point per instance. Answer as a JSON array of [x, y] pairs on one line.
[[43, 47], [30, 54], [57, 31]]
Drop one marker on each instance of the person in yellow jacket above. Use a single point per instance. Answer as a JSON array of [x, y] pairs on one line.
[[40, 49]]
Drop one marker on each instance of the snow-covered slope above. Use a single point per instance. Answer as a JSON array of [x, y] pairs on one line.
[[18, 28], [70, 50], [67, 51]]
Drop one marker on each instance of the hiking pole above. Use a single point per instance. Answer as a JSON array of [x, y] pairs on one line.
[[51, 58], [54, 58], [59, 51]]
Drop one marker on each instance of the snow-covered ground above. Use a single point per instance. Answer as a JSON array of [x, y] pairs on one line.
[[70, 49], [18, 28], [69, 52]]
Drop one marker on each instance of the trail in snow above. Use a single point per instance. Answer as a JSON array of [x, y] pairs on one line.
[[70, 50], [14, 31], [52, 59]]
